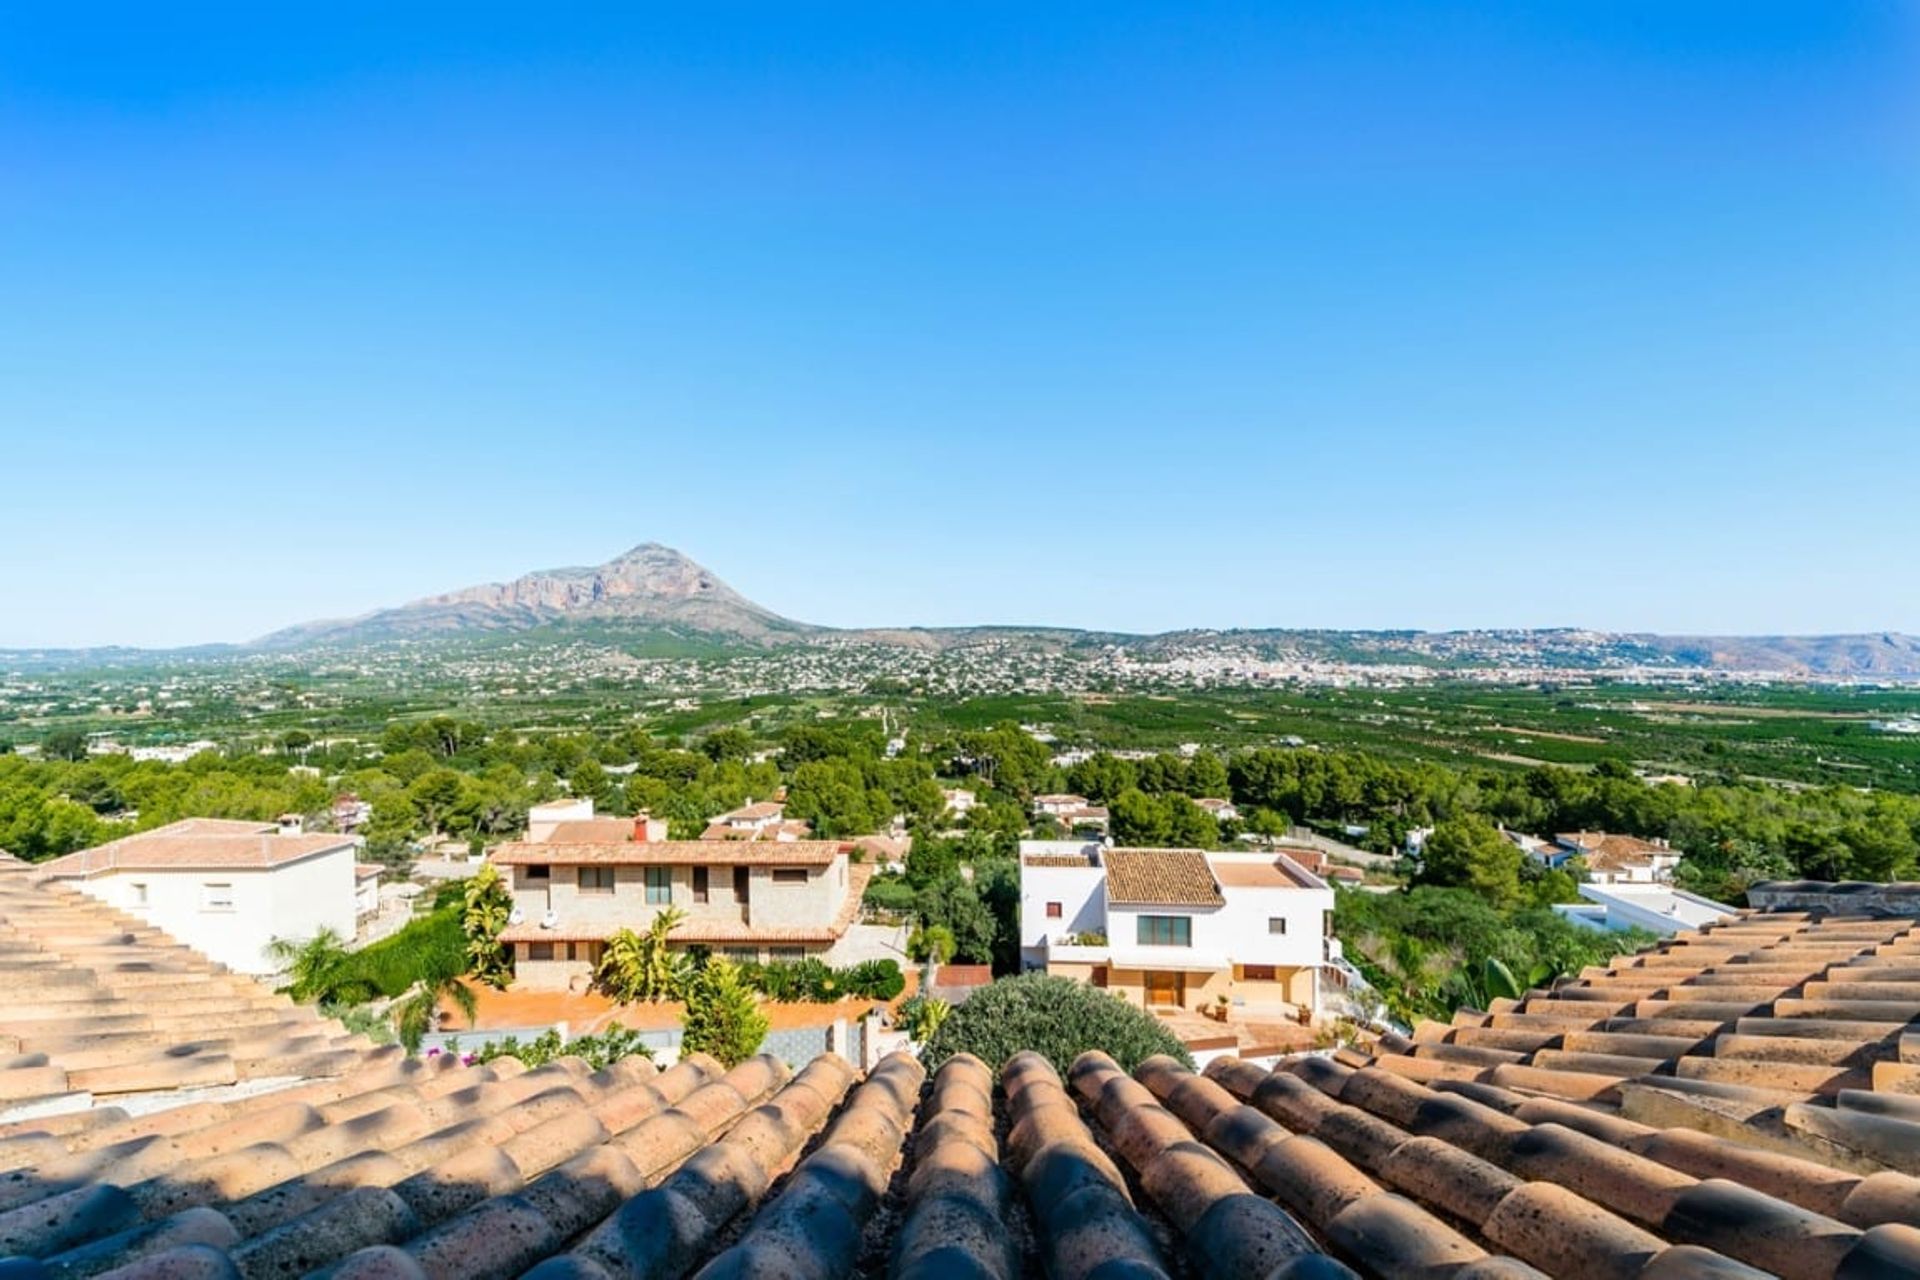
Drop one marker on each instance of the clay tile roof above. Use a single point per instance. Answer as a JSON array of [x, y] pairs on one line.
[[1606, 852], [1531, 1139], [593, 831], [780, 853], [193, 844], [1058, 860], [758, 811], [1161, 878], [103, 1005]]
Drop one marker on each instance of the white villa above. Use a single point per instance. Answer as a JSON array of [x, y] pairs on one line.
[[224, 888], [1615, 859], [1177, 927]]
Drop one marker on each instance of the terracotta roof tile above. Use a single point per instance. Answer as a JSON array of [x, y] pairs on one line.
[[1405, 1162], [1161, 878], [197, 842], [784, 853]]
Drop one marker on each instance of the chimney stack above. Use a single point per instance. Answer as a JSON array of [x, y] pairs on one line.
[[639, 828]]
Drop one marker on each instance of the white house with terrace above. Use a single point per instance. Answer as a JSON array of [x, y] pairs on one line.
[[1177, 928], [225, 888]]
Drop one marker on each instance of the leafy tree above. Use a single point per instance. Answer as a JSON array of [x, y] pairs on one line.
[[64, 744], [486, 908], [933, 942], [727, 744], [1469, 852], [1139, 819], [434, 795], [641, 966], [953, 903], [1207, 776], [723, 1018], [1056, 1017], [890, 894]]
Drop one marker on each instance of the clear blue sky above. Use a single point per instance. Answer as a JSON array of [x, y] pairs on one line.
[[1135, 316]]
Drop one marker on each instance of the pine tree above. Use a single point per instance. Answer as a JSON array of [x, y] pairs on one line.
[[723, 1016]]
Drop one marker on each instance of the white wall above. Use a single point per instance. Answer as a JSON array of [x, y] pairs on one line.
[[1081, 893], [295, 901], [1240, 928]]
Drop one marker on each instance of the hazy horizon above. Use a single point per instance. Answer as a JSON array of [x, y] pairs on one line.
[[1035, 623], [1134, 319]]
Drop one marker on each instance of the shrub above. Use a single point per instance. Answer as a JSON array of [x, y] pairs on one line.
[[1055, 1017], [786, 982], [600, 1050], [637, 967], [723, 1018], [922, 1015], [431, 944], [874, 980], [890, 895]]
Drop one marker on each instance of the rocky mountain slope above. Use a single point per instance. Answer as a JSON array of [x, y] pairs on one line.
[[654, 589], [650, 586]]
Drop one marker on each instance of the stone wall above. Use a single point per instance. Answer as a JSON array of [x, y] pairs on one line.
[[1899, 899]]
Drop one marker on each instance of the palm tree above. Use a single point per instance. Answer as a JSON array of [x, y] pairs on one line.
[[487, 907], [417, 1014], [318, 970], [641, 966]]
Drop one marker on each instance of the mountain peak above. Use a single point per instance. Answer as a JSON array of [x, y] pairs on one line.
[[651, 585]]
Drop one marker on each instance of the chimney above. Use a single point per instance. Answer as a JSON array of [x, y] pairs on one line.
[[639, 828]]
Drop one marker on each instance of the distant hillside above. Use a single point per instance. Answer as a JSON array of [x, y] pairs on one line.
[[649, 588], [1888, 654], [655, 600]]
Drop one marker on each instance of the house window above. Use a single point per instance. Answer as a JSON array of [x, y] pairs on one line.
[[700, 893], [659, 886], [740, 877], [139, 895], [539, 951], [741, 955], [1276, 924], [1166, 931], [1053, 911], [790, 875], [596, 879], [1257, 973], [537, 873], [786, 955], [216, 897]]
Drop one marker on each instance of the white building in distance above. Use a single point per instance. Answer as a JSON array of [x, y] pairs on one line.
[[1657, 908], [224, 888], [1176, 928]]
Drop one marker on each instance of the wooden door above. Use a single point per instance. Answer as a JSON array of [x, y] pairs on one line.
[[1166, 989]]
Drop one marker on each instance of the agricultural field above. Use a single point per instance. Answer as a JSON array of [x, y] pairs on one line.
[[1786, 734]]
